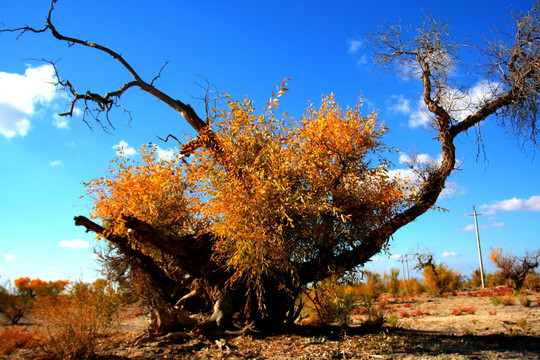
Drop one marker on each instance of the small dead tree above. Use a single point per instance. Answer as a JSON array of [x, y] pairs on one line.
[[514, 269]]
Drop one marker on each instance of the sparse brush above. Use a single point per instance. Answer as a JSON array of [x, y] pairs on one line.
[[508, 300], [496, 300], [522, 323], [376, 314], [392, 320], [464, 310], [72, 324], [15, 338], [523, 299], [330, 302]]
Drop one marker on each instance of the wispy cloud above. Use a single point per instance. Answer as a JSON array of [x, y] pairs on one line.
[[354, 46], [20, 96], [418, 114], [61, 122], [419, 117], [55, 163], [459, 104], [471, 227], [12, 257], [123, 149], [401, 105], [449, 254], [414, 165], [164, 154], [513, 204], [75, 243]]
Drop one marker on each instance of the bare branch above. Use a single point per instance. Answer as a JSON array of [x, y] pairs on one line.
[[171, 136], [159, 74], [106, 102], [431, 56]]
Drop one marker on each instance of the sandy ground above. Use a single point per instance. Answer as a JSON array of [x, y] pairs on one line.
[[467, 326], [468, 314]]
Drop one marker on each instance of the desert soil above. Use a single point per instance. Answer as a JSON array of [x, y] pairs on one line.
[[466, 326]]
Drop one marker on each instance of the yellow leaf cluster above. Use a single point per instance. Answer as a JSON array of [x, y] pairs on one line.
[[152, 190], [282, 191]]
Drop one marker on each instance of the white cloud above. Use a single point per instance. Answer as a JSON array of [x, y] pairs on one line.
[[75, 243], [12, 257], [419, 117], [362, 61], [60, 122], [419, 159], [402, 105], [449, 254], [396, 257], [21, 94], [377, 259], [55, 163], [354, 45], [471, 227], [414, 164], [164, 154], [123, 149], [513, 204], [464, 104], [461, 104]]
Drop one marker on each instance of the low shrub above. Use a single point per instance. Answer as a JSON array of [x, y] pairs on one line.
[[14, 338], [404, 314], [14, 306], [392, 320], [523, 299], [330, 302], [72, 324], [463, 311], [508, 300], [376, 313]]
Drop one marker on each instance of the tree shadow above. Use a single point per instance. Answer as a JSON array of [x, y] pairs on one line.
[[419, 342]]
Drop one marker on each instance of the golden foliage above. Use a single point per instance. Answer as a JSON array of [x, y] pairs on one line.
[[37, 287], [279, 191], [152, 190]]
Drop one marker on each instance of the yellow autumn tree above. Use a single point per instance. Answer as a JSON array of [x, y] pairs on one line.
[[258, 205], [281, 193]]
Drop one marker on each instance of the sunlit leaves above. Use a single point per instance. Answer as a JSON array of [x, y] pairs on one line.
[[152, 190], [279, 192], [38, 287], [318, 184]]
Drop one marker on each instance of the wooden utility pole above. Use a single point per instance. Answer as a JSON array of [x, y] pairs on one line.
[[479, 247]]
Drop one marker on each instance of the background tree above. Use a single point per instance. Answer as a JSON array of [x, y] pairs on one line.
[[513, 269], [439, 278], [257, 205], [17, 299]]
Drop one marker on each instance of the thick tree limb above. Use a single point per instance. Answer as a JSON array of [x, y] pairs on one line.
[[161, 281], [192, 252], [106, 101]]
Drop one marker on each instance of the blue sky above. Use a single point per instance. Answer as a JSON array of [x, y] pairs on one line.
[[241, 47]]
